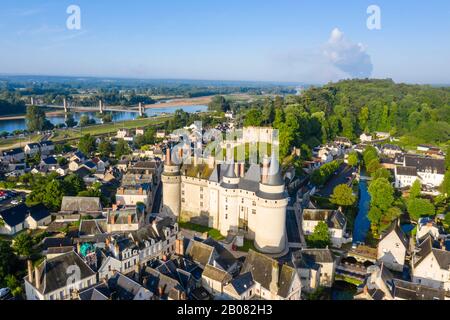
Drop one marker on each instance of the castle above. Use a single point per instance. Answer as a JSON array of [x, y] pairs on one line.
[[226, 197]]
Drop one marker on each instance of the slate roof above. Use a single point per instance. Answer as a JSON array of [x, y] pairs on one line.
[[54, 274], [17, 214], [216, 274], [47, 143], [92, 227], [407, 171], [310, 257], [425, 248], [413, 291], [56, 242], [13, 152], [90, 164], [82, 172], [334, 218], [123, 287], [81, 204], [33, 145], [242, 282], [424, 163], [261, 267], [99, 292], [50, 161], [200, 252], [225, 258]]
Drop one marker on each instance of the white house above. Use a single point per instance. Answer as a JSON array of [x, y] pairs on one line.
[[316, 268], [334, 219], [13, 155], [262, 277], [52, 279], [427, 226], [47, 147], [365, 138], [392, 248], [22, 217], [429, 171], [32, 149], [215, 279], [431, 266]]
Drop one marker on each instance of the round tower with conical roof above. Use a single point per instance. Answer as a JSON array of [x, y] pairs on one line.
[[171, 180], [270, 235], [229, 200]]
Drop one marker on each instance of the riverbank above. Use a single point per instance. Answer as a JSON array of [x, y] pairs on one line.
[[62, 135]]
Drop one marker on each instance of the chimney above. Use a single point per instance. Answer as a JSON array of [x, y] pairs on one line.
[[211, 162], [442, 242], [168, 156], [274, 280], [179, 247], [78, 246], [113, 219], [218, 171], [160, 291], [164, 258], [236, 169], [30, 271], [265, 170], [116, 250], [141, 191], [37, 276], [242, 170], [114, 207], [137, 273], [107, 242], [129, 219]]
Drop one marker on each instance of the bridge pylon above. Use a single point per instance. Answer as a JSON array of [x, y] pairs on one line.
[[100, 105], [66, 110], [141, 109]]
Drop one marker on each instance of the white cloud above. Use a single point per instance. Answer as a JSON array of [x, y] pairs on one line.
[[351, 58]]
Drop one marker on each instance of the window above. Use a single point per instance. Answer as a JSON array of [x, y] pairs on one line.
[[182, 200], [226, 216], [201, 204], [201, 196], [253, 211], [254, 203]]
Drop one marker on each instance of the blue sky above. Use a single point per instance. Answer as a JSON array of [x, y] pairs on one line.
[[284, 40]]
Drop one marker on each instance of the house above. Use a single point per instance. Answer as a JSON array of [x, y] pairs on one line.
[[391, 150], [90, 165], [166, 282], [377, 285], [124, 252], [53, 279], [429, 171], [160, 134], [22, 217], [229, 115], [316, 268], [13, 155], [262, 277], [136, 188], [334, 219], [31, 149], [140, 131], [431, 266], [365, 138], [125, 134], [85, 206], [343, 141], [48, 164], [393, 247], [78, 156], [100, 164], [118, 287], [47, 147], [125, 220], [381, 285], [215, 279], [426, 226]]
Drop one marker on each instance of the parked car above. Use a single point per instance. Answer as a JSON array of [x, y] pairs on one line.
[[4, 292], [15, 202]]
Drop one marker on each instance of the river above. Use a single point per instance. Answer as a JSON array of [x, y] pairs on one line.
[[362, 222], [9, 125]]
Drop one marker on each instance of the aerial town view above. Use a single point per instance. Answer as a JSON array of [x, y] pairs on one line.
[[234, 151]]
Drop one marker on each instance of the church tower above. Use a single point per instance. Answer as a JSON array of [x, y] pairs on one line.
[[171, 180]]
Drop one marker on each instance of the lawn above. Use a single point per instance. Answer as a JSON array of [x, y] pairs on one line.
[[248, 244], [213, 233], [349, 280], [18, 142]]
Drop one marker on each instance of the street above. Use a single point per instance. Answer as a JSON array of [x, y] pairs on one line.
[[342, 176]]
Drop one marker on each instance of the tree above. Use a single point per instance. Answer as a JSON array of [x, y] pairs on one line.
[[374, 216], [369, 154], [35, 119], [85, 120], [122, 148], [381, 193], [86, 144], [343, 196], [61, 161], [445, 187], [320, 238], [373, 166], [415, 190], [73, 184], [219, 103], [70, 121], [420, 208], [447, 159], [353, 159], [392, 214], [13, 284], [53, 194], [253, 118], [22, 244], [105, 148], [7, 260], [381, 173]]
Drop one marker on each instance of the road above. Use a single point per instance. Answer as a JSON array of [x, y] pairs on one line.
[[292, 229], [342, 176]]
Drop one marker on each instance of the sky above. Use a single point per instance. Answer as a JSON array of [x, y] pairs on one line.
[[284, 40]]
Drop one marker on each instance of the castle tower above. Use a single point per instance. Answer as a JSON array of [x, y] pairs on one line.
[[229, 200], [270, 236], [171, 180]]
